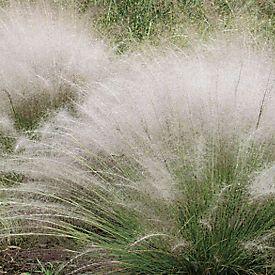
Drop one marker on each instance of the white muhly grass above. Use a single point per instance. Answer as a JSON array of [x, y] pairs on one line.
[[169, 97], [148, 237], [142, 128], [254, 245], [158, 109], [264, 183], [160, 180], [46, 57], [179, 246]]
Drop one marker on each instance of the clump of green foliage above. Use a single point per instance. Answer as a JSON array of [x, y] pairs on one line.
[[127, 23], [178, 21]]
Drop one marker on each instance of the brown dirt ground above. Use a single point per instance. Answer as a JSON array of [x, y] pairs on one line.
[[14, 260]]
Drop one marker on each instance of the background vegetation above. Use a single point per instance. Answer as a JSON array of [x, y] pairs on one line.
[[179, 22], [172, 22]]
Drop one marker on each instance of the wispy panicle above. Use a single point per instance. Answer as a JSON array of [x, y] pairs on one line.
[[264, 183]]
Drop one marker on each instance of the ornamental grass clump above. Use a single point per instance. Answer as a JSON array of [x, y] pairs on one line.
[[165, 168], [48, 58]]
